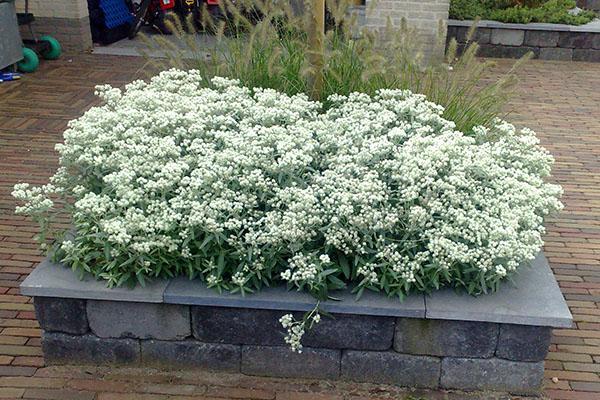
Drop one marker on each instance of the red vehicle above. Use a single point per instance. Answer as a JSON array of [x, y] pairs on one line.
[[153, 13]]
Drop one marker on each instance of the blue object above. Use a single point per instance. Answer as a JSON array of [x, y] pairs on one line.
[[9, 76], [115, 13]]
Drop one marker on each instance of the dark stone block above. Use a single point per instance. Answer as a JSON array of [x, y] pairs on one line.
[[60, 348], [596, 41], [351, 332], [589, 55], [481, 35], [262, 327], [446, 338], [556, 53], [392, 368], [57, 314], [499, 51], [522, 378], [576, 40], [541, 38], [523, 343], [518, 52], [507, 37], [282, 362], [119, 319], [453, 32], [237, 325], [191, 354]]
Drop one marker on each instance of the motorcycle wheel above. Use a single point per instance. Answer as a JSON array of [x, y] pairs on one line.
[[138, 20]]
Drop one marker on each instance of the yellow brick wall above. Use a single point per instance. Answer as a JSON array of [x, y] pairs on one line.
[[424, 15], [56, 8]]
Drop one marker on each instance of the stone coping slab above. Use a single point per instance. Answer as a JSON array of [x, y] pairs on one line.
[[535, 299], [51, 279], [591, 27], [183, 291]]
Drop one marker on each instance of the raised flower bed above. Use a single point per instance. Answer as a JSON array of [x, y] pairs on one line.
[[445, 340], [212, 199], [545, 41]]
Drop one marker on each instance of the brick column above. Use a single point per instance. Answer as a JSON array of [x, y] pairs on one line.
[[66, 20], [424, 15]]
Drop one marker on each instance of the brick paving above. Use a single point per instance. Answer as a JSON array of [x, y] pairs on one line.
[[561, 101]]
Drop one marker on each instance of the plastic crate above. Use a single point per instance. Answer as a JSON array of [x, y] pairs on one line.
[[115, 13]]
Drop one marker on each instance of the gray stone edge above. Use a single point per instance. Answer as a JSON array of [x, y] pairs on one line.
[[591, 27], [67, 285]]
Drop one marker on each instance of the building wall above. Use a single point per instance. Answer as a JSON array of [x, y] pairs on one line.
[[589, 4], [66, 20], [423, 15]]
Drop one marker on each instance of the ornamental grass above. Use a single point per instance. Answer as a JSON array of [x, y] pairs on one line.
[[267, 44]]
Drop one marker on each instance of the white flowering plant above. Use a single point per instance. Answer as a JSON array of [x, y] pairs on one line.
[[245, 188]]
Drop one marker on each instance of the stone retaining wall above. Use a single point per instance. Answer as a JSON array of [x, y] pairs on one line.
[[546, 41], [411, 352], [496, 342]]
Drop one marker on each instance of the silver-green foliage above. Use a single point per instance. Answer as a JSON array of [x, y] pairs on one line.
[[251, 187]]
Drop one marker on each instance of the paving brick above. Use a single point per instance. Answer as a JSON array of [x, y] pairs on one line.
[[586, 386], [57, 394], [240, 393], [307, 396], [11, 393], [6, 370], [5, 360]]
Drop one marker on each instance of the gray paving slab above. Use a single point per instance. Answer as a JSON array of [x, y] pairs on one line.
[[194, 292], [534, 299], [593, 26], [55, 280]]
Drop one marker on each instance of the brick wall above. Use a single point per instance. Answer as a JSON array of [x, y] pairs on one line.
[[424, 15], [66, 20]]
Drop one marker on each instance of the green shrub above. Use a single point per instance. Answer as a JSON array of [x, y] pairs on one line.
[[468, 9], [552, 11], [522, 12]]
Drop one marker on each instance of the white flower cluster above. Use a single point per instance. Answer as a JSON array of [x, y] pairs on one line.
[[244, 187], [295, 329]]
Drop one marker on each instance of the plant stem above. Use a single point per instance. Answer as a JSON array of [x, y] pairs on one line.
[[316, 33]]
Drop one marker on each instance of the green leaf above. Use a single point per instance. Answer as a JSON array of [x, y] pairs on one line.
[[344, 265]]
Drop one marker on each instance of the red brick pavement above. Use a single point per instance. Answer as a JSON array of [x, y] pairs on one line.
[[561, 101]]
